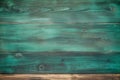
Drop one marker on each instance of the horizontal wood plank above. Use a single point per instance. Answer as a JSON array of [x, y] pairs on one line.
[[59, 62], [59, 11], [61, 77], [60, 37]]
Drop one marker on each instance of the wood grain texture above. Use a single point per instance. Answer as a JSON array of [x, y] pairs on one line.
[[65, 26], [59, 36], [59, 62], [61, 77]]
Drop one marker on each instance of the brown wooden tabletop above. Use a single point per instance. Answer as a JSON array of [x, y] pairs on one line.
[[60, 77]]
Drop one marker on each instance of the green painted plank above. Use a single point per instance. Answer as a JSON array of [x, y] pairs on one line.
[[60, 11], [60, 62], [59, 36]]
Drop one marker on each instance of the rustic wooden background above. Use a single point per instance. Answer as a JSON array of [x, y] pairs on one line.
[[59, 36]]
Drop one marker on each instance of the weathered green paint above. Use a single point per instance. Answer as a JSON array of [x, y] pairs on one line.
[[60, 62], [59, 36]]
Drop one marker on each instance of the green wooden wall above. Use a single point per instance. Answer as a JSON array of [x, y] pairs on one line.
[[59, 36]]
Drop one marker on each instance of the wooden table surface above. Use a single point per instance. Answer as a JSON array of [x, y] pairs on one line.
[[61, 77]]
